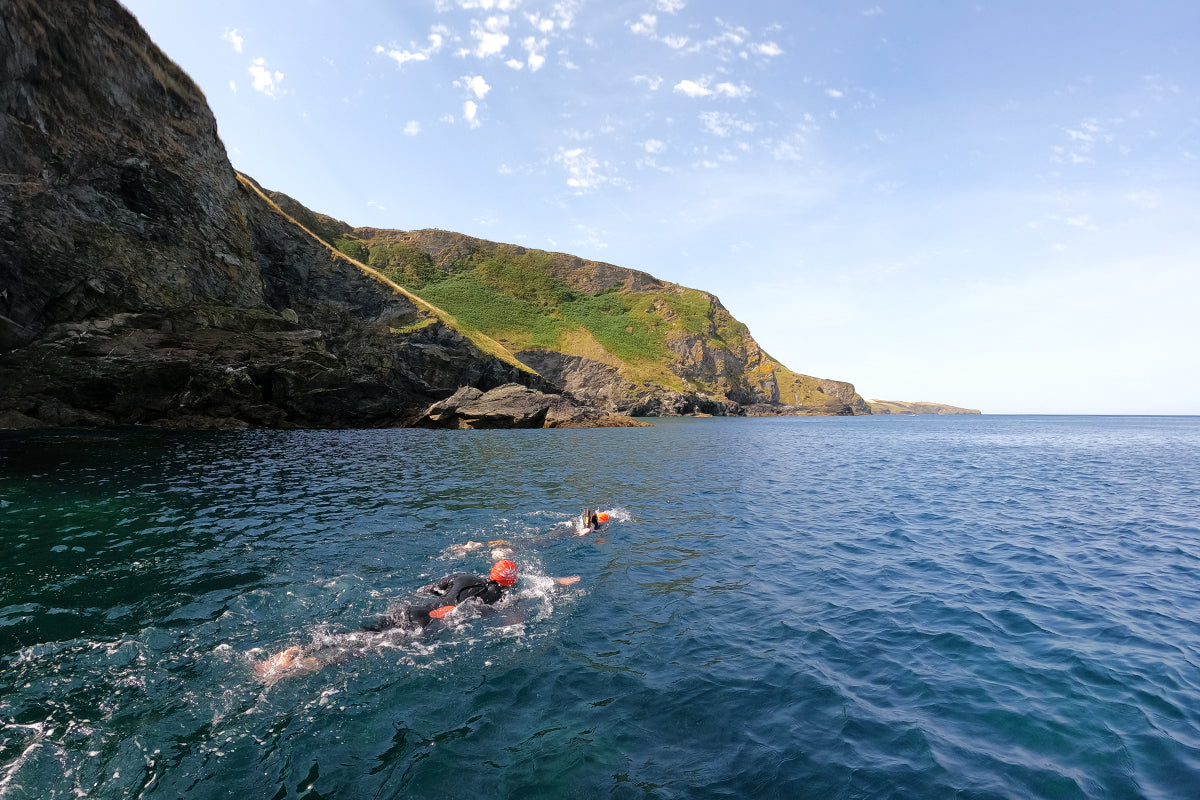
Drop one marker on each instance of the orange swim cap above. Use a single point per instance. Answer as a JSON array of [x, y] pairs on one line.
[[504, 572]]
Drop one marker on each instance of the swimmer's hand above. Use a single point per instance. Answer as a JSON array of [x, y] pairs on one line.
[[567, 581]]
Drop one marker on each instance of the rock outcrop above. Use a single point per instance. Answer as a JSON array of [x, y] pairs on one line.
[[143, 280], [516, 406]]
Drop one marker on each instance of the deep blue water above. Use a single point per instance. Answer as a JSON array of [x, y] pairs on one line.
[[928, 607]]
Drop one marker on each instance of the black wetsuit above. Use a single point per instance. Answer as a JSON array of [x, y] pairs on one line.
[[451, 590], [412, 616]]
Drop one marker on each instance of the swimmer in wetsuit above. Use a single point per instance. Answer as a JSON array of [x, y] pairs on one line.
[[461, 589], [455, 589]]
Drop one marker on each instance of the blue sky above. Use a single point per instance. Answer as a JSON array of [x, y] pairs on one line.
[[991, 204]]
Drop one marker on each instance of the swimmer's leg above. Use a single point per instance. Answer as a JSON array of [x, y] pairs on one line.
[[289, 661]]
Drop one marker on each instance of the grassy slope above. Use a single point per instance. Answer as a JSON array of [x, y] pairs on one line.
[[514, 296], [476, 336]]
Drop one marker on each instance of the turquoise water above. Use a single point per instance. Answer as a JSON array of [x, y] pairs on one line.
[[928, 607]]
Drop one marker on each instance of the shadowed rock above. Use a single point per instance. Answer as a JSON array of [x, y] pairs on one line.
[[516, 406]]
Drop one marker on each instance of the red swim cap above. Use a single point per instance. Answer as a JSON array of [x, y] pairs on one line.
[[504, 573]]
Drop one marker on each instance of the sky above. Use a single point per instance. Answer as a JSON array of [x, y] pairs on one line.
[[989, 204]]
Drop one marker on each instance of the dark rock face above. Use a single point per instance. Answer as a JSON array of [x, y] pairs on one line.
[[603, 386], [142, 280], [516, 406]]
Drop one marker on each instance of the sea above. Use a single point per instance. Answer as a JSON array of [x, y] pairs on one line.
[[826, 607]]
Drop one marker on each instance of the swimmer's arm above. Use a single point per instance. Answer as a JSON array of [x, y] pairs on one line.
[[567, 581]]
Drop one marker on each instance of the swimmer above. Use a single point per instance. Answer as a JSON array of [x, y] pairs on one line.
[[591, 520], [458, 590]]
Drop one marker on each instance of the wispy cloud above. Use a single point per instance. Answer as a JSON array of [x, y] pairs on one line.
[[585, 172], [647, 25], [412, 128], [651, 82], [590, 237], [234, 38], [436, 39], [489, 5], [724, 124]]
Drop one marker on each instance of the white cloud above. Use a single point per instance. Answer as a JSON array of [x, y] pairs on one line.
[[265, 81], [402, 57], [653, 146], [675, 42], [723, 124], [412, 128], [475, 84], [489, 36], [835, 93], [645, 26], [693, 88], [535, 47], [770, 49], [233, 87], [701, 88], [540, 24], [652, 81], [234, 39], [671, 6], [873, 11], [514, 63], [470, 113]]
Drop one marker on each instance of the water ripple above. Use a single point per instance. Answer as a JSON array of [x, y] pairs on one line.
[[825, 608]]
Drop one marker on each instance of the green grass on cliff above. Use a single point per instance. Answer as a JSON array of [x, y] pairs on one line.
[[618, 322], [513, 296]]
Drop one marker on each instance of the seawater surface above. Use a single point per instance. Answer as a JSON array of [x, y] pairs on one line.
[[928, 607]]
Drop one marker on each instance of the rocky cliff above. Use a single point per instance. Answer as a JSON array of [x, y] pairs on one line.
[[143, 280]]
